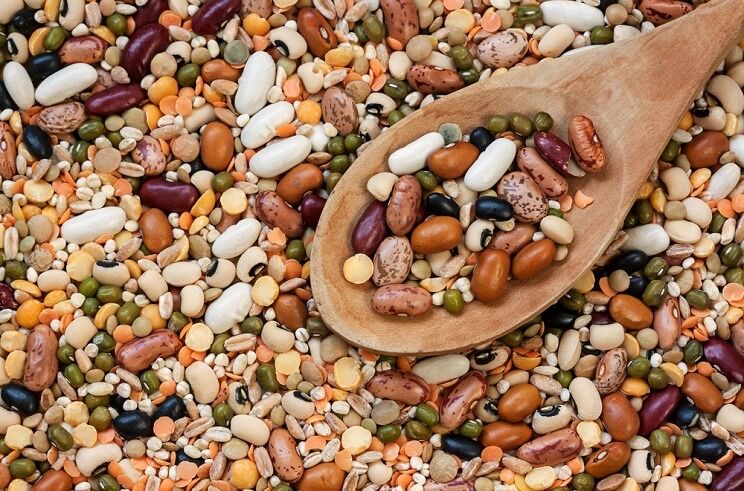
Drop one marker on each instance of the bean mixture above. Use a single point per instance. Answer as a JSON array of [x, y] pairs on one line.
[[164, 164], [502, 176]]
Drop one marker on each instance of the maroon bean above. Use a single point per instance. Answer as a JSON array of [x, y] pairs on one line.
[[370, 230], [731, 476], [145, 43], [150, 12], [7, 300], [310, 208], [114, 100], [554, 150], [657, 407], [720, 353], [171, 197], [211, 15]]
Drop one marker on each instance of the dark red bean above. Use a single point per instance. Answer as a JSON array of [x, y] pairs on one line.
[[554, 150], [720, 353], [731, 476], [114, 100], [657, 408], [150, 12], [370, 230], [145, 43], [211, 15], [7, 300], [310, 208], [171, 197]]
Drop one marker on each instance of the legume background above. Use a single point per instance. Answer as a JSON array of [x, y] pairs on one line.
[[164, 163]]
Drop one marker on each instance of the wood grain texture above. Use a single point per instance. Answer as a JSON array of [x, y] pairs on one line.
[[635, 91]]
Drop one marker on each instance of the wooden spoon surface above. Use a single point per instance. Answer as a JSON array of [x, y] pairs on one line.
[[634, 91]]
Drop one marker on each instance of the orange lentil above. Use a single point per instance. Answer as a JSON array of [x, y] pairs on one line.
[[285, 130], [123, 333], [725, 208], [492, 454], [491, 21]]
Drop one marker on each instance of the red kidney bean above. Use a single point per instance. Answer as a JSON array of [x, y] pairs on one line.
[[720, 353], [7, 300], [370, 230], [171, 197], [657, 407], [114, 100], [211, 15], [145, 43], [150, 12], [554, 150], [731, 476], [310, 208]]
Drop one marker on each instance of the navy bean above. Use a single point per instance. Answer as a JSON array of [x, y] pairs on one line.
[[211, 15], [142, 47], [370, 230], [114, 100]]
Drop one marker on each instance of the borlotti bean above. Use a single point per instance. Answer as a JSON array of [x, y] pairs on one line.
[[254, 83], [159, 330], [412, 157], [93, 224], [491, 165], [66, 83], [472, 215], [281, 156], [262, 126], [18, 84]]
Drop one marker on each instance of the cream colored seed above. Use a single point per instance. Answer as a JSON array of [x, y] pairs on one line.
[[14, 364], [265, 291], [234, 201], [358, 269]]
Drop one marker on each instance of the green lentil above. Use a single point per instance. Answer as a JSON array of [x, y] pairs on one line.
[[513, 339], [316, 327], [601, 35], [251, 325], [352, 142], [397, 89], [54, 38], [90, 306], [100, 418], [107, 483], [731, 254], [218, 345], [573, 300], [528, 14], [60, 437], [691, 472], [520, 124], [4, 448], [498, 124], [336, 145], [394, 117], [104, 341], [187, 75], [22, 468], [79, 151], [643, 211], [91, 129], [661, 442], [670, 151], [542, 121], [716, 223], [15, 270], [117, 23], [556, 212], [655, 268], [332, 180], [96, 401], [66, 353], [461, 57], [639, 367], [583, 482], [657, 378], [697, 298], [222, 181], [88, 287], [150, 381], [683, 446], [296, 250], [222, 414], [73, 375], [417, 430], [127, 313], [564, 377], [109, 294], [453, 301], [177, 321], [388, 433], [734, 275], [427, 415], [693, 351], [654, 293], [427, 179], [266, 377], [373, 28], [470, 76], [105, 361], [470, 429]]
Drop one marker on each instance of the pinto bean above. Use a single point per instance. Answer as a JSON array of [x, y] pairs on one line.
[[551, 182], [404, 205], [41, 359], [461, 398], [401, 300], [283, 452], [611, 370], [554, 448], [392, 261], [513, 240], [399, 386], [272, 209], [490, 276], [139, 353]]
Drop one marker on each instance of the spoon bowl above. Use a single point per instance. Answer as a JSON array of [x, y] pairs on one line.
[[634, 91]]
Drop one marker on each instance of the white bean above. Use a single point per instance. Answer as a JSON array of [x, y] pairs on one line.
[[89, 459], [586, 397], [237, 238], [8, 8], [491, 165], [230, 308], [728, 92], [579, 16], [18, 84], [255, 82], [478, 235], [68, 82], [92, 224], [280, 157], [262, 126], [412, 157]]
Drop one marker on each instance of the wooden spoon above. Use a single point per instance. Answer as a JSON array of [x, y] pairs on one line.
[[634, 91]]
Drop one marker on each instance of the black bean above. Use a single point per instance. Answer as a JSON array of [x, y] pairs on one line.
[[709, 449], [558, 317], [493, 208], [5, 100], [24, 22], [638, 284], [481, 138], [37, 142], [181, 456], [439, 204], [630, 262], [173, 407], [465, 448], [20, 398], [685, 415], [133, 424], [41, 66]]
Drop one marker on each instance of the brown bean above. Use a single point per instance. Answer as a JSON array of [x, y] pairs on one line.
[[370, 229], [404, 205], [522, 192], [219, 70], [217, 146], [316, 30], [453, 161], [392, 261], [283, 451], [53, 480], [554, 448], [585, 144], [7, 151], [611, 370], [84, 49], [401, 300], [668, 322], [290, 311], [631, 312], [608, 459], [429, 79], [706, 149], [404, 387], [490, 275], [513, 240], [437, 234], [156, 230], [461, 398], [551, 182], [703, 392], [533, 259], [518, 402], [41, 359], [619, 417], [322, 477], [299, 180], [139, 353], [401, 19], [507, 436], [273, 210]]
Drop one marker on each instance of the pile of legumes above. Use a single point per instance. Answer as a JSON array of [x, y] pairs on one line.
[[495, 186], [164, 164]]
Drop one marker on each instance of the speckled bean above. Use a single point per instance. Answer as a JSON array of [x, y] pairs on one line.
[[401, 300], [403, 207], [460, 400], [399, 386], [139, 353]]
